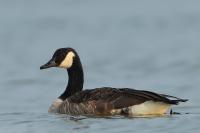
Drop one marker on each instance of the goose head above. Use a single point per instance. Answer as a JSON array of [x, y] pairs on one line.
[[62, 58], [68, 58]]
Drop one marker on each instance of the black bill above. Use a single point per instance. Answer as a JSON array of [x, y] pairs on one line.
[[49, 64]]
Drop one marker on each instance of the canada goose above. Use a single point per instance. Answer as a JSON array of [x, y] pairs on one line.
[[105, 100]]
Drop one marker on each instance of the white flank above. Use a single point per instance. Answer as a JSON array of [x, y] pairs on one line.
[[149, 108], [68, 61], [116, 112], [55, 104]]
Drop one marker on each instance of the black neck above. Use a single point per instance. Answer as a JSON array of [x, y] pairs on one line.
[[76, 79]]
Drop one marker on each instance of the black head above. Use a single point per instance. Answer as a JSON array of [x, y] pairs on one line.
[[62, 58]]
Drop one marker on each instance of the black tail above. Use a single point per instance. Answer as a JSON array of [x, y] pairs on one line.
[[174, 100]]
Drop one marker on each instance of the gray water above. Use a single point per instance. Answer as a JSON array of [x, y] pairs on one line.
[[151, 45]]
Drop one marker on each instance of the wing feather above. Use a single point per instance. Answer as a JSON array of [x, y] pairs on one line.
[[120, 97]]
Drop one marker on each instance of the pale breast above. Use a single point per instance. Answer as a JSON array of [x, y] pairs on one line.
[[55, 105]]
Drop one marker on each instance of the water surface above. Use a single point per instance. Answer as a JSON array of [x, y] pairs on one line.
[[151, 45]]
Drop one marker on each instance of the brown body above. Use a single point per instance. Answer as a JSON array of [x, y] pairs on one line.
[[110, 101]]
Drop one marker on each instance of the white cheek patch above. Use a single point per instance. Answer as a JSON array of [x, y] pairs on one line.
[[68, 61]]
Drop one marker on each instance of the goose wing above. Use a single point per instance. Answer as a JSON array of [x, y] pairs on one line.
[[104, 100], [119, 98]]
